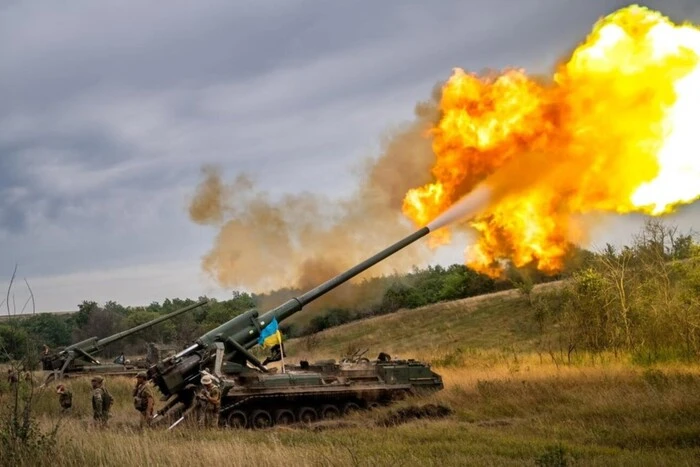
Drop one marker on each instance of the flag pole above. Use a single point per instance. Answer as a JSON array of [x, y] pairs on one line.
[[279, 338]]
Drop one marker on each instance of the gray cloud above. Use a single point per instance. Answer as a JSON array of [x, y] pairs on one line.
[[109, 110]]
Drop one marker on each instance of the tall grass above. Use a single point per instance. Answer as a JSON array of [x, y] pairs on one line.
[[503, 320], [509, 409]]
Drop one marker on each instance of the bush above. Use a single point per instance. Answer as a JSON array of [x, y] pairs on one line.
[[22, 441], [554, 456]]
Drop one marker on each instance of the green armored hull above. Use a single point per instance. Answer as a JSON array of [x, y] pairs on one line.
[[307, 393]]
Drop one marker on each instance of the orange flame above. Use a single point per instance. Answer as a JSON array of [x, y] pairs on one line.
[[612, 131]]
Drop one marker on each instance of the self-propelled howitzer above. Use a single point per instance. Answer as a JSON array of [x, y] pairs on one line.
[[224, 353], [80, 357]]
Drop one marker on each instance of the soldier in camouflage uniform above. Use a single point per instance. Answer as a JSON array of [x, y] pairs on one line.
[[65, 399], [101, 401], [143, 399], [207, 403]]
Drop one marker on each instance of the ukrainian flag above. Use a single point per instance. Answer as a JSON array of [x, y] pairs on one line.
[[270, 335]]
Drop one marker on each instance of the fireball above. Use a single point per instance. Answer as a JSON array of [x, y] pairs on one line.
[[611, 131]]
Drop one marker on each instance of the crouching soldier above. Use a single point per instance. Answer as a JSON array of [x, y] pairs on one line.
[[65, 399], [207, 401], [143, 399]]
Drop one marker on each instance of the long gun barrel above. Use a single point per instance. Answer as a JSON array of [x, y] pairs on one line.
[[95, 344], [241, 333]]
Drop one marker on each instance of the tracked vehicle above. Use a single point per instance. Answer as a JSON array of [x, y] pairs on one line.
[[80, 358], [254, 396], [321, 391]]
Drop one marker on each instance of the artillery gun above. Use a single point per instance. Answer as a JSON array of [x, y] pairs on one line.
[[79, 358], [254, 396]]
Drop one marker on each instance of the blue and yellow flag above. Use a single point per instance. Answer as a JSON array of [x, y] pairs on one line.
[[270, 335]]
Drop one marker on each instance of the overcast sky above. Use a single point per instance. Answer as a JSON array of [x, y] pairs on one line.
[[109, 109]]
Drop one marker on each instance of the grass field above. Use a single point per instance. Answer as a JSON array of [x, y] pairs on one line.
[[495, 321], [510, 406]]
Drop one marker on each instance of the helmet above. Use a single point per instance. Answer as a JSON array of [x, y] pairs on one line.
[[97, 379], [142, 375], [206, 380]]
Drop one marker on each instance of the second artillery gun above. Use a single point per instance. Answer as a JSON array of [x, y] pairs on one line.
[[254, 396], [79, 358]]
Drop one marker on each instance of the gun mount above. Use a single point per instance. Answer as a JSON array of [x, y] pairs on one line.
[[224, 353], [80, 357]]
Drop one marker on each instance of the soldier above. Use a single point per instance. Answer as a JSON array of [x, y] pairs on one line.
[[65, 399], [143, 399], [101, 401], [384, 357], [207, 403], [152, 353]]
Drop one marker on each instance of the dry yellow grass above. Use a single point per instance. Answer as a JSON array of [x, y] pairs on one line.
[[493, 321], [507, 411]]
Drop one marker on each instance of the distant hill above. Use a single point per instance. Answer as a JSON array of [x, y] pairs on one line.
[[491, 321], [4, 317]]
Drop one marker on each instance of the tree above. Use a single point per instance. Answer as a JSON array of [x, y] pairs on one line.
[[162, 332], [85, 309], [642, 298], [615, 268], [48, 328], [101, 323], [14, 343], [113, 307]]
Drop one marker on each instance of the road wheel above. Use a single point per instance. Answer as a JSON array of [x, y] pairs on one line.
[[237, 419], [350, 408], [307, 415], [260, 419], [284, 417], [329, 412]]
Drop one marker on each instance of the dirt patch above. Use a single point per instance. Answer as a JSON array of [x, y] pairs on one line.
[[406, 414], [334, 425]]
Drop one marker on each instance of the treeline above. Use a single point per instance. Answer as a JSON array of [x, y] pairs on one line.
[[643, 299], [21, 336]]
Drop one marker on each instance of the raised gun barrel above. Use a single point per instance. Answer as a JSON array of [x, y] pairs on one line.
[[83, 349], [121, 335], [241, 333]]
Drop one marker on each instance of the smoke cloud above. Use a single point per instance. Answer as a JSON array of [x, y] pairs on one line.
[[463, 210], [301, 240]]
